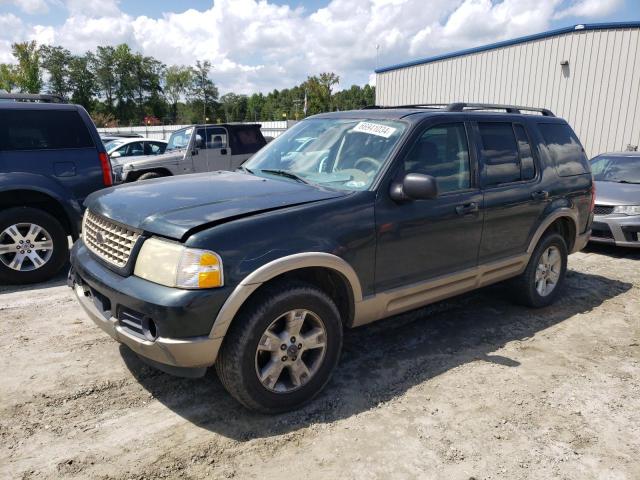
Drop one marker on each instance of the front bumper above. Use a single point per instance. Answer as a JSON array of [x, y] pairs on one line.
[[619, 230], [109, 300]]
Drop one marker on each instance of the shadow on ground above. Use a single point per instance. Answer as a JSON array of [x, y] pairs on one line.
[[613, 251], [385, 359], [59, 280]]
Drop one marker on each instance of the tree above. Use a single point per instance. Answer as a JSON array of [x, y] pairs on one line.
[[203, 91], [55, 60], [8, 79], [177, 82], [28, 74], [103, 65], [82, 80]]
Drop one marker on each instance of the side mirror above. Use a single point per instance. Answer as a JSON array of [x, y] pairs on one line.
[[414, 186], [115, 155]]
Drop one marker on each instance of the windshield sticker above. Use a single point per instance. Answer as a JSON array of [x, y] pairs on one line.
[[374, 129]]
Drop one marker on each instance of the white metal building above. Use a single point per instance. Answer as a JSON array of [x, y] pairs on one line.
[[588, 74]]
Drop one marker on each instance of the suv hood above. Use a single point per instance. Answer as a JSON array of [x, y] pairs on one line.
[[612, 193], [173, 206]]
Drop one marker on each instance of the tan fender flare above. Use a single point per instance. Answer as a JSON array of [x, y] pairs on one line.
[[271, 270], [546, 223]]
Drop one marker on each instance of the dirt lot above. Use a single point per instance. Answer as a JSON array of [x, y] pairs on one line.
[[474, 387]]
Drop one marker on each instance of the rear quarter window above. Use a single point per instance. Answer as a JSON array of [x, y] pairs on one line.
[[249, 140], [565, 149], [43, 130]]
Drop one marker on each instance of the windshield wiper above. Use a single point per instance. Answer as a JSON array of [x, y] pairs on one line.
[[245, 169], [287, 174], [627, 181]]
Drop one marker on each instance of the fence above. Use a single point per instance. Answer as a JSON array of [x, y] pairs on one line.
[[162, 132]]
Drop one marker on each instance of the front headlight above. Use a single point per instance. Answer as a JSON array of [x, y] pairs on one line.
[[627, 209], [175, 265]]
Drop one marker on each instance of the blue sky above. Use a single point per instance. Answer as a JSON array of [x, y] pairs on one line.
[[266, 44]]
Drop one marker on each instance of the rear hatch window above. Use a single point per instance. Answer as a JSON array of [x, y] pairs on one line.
[[43, 130], [564, 149]]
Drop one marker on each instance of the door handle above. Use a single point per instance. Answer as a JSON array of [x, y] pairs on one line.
[[467, 208], [541, 195]]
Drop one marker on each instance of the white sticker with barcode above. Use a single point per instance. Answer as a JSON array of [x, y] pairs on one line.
[[374, 129]]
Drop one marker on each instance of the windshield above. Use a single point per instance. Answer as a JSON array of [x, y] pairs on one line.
[[113, 144], [179, 139], [616, 169], [339, 153]]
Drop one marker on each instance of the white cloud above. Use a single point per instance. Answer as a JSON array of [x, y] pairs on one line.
[[589, 8], [30, 7], [257, 45]]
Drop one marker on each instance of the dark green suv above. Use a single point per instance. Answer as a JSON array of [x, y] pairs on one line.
[[347, 218]]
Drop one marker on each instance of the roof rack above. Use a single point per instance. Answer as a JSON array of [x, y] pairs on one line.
[[463, 106], [32, 97]]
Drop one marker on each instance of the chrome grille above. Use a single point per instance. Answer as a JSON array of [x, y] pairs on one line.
[[602, 210], [108, 240]]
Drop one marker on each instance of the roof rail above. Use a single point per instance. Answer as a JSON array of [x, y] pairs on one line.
[[459, 107], [32, 97], [462, 106]]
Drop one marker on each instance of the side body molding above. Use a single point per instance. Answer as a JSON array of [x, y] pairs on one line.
[[277, 267]]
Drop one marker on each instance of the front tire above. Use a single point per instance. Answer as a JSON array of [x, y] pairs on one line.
[[282, 348], [540, 283], [33, 246], [149, 176]]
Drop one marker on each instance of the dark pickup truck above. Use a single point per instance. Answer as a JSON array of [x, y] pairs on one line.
[[345, 219]]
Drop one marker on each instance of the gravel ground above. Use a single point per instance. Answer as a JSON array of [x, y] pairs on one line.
[[475, 387]]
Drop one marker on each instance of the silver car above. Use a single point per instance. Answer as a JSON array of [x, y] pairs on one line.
[[198, 148], [617, 210]]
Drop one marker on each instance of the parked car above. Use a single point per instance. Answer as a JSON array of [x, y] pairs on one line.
[[198, 148], [617, 210], [134, 147], [345, 219], [51, 158]]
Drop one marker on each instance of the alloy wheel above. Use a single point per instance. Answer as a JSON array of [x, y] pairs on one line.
[[290, 351], [548, 271], [25, 247]]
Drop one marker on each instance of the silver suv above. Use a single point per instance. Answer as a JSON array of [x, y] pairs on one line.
[[197, 148]]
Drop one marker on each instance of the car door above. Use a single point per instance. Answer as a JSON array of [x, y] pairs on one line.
[[513, 198], [218, 153], [420, 240], [200, 153]]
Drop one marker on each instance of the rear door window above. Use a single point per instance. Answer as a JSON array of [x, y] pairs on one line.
[[43, 130], [499, 152], [564, 149], [527, 164]]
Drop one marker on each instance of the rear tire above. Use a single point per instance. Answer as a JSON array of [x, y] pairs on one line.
[[253, 348], [542, 280], [52, 236], [149, 176]]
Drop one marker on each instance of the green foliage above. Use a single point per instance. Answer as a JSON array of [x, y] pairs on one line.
[[119, 86], [28, 74], [8, 80]]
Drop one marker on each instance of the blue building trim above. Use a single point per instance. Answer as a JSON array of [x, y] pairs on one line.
[[506, 43]]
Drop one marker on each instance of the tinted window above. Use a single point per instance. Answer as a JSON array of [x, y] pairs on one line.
[[211, 138], [564, 149], [249, 140], [442, 152], [42, 130], [499, 153], [154, 148], [527, 165]]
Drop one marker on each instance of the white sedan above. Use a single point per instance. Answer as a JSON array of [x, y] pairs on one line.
[[134, 147]]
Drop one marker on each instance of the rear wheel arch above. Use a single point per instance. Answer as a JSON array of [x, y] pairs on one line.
[[562, 221], [41, 201]]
